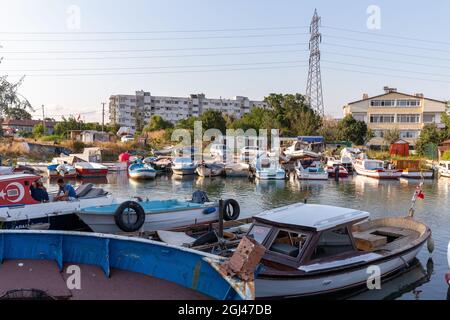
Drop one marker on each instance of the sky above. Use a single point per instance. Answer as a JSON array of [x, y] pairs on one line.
[[75, 54]]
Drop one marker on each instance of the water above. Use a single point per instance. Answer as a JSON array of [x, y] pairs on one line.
[[380, 198]]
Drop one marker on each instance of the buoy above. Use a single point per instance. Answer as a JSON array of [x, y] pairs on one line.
[[430, 244]]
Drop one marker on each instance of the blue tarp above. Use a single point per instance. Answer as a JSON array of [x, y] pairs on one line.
[[311, 139]]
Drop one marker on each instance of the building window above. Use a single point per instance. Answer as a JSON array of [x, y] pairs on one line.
[[382, 118], [429, 118], [382, 103], [408, 103], [408, 134], [408, 118]]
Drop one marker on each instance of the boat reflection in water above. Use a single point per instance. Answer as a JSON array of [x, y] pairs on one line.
[[264, 186]]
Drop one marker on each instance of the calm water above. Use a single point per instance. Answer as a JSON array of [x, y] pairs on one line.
[[381, 198]]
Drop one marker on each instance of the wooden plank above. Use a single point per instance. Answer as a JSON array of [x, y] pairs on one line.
[[366, 241]]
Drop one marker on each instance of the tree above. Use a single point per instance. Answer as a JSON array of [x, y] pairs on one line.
[[17, 113], [430, 134], [38, 130], [446, 156], [158, 123], [212, 119], [391, 135], [352, 130], [329, 129]]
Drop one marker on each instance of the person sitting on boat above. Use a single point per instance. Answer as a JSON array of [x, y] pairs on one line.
[[66, 191], [38, 192]]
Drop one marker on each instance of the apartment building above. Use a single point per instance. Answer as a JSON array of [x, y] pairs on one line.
[[395, 110], [124, 108]]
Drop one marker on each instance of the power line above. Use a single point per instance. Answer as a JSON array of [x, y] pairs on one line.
[[152, 31], [159, 72], [386, 35], [392, 69], [384, 51], [158, 56], [387, 43], [385, 74], [155, 67], [158, 39], [386, 60], [157, 49]]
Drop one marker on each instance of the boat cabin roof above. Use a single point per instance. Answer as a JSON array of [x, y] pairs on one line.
[[311, 216]]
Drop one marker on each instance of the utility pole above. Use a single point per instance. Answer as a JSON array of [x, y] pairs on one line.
[[103, 116], [314, 96], [43, 119]]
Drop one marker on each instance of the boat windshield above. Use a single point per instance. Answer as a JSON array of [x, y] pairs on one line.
[[288, 243], [332, 243], [374, 165], [259, 233]]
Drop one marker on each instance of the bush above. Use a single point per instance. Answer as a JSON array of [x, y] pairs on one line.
[[446, 156]]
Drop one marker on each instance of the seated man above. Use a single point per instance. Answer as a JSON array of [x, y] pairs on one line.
[[66, 191], [38, 192]]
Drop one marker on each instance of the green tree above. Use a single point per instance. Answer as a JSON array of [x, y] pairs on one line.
[[446, 156], [212, 119], [38, 130], [158, 123], [17, 113], [391, 135], [430, 134], [352, 130]]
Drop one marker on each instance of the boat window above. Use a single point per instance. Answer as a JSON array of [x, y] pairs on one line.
[[331, 243], [259, 233], [288, 243]]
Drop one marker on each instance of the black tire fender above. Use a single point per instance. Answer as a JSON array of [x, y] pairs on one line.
[[231, 209], [118, 216]]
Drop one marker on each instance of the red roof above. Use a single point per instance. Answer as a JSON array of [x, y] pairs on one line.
[[27, 123], [446, 142]]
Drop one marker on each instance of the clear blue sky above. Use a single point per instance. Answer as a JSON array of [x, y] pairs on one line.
[[349, 58]]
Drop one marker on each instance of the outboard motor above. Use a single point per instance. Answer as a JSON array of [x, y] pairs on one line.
[[199, 196]]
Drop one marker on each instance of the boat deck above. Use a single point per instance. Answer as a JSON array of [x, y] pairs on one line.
[[21, 278]]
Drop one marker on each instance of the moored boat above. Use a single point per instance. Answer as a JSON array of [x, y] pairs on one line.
[[268, 168], [91, 169], [341, 171], [210, 169], [375, 169], [152, 215], [313, 172], [183, 166], [65, 170], [143, 171], [239, 169], [413, 169], [18, 209], [444, 168]]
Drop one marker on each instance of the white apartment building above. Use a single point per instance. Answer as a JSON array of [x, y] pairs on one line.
[[122, 108], [407, 113]]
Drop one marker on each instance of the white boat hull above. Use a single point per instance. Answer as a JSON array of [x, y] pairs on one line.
[[301, 175], [266, 175], [23, 216], [270, 288], [142, 174], [417, 174], [183, 171], [104, 223], [388, 174]]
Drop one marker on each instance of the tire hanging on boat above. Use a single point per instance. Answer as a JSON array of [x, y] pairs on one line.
[[231, 209], [121, 211]]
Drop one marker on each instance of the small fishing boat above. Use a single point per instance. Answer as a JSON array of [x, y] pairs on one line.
[[109, 266], [210, 169], [268, 168], [139, 170], [341, 171], [159, 164], [300, 149], [65, 170], [18, 209], [239, 169], [349, 156], [91, 169], [375, 169], [444, 169], [413, 169], [316, 249], [183, 166], [151, 215], [313, 172]]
